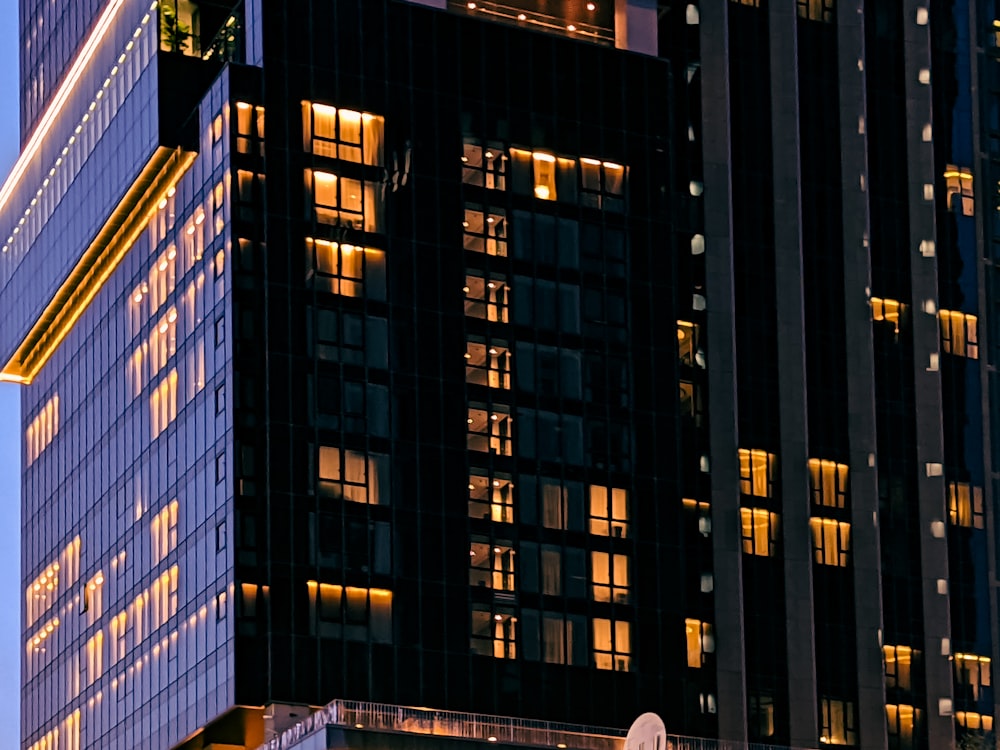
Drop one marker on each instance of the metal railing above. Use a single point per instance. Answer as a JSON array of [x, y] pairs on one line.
[[484, 727]]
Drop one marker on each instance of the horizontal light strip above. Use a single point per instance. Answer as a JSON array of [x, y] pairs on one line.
[[54, 109], [116, 237]]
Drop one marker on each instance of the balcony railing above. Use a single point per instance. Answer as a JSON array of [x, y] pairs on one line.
[[502, 730]]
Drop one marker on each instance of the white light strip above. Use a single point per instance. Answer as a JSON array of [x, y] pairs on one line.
[[54, 109]]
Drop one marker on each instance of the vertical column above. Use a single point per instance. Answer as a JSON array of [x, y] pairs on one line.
[[927, 380], [802, 705], [865, 554], [727, 556]]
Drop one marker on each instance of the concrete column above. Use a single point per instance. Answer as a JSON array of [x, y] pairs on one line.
[[726, 536]]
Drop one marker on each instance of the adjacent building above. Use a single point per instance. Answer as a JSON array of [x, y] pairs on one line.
[[552, 360]]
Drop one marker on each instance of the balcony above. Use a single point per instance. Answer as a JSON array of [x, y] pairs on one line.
[[591, 21]]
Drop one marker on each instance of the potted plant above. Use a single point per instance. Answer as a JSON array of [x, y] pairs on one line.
[[174, 35]]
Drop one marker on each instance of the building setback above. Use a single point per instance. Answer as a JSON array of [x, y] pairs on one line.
[[555, 361]]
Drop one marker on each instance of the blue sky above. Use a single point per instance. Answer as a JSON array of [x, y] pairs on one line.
[[10, 444]]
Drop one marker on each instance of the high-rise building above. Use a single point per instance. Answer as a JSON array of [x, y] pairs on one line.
[[545, 359]]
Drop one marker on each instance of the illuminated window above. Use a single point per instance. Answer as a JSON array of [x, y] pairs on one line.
[[162, 279], [608, 511], [836, 721], [965, 505], [491, 498], [760, 531], [609, 575], [349, 612], [484, 166], [491, 565], [485, 230], [487, 298], [828, 483], [42, 429], [118, 629], [761, 715], [490, 429], [602, 184], [93, 661], [487, 364], [140, 618], [974, 672], [959, 192], [544, 175], [163, 342], [494, 633], [92, 598], [345, 201], [249, 129], [180, 27], [348, 270], [163, 404], [164, 532], [898, 666], [757, 472], [164, 597], [354, 476], [887, 311], [974, 721], [816, 10], [343, 134], [959, 334], [687, 342], [831, 541], [700, 641], [612, 644]]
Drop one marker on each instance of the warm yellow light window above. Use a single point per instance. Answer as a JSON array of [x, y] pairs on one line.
[[354, 476], [340, 268], [348, 612], [491, 565], [162, 279], [973, 672], [965, 505], [344, 134], [491, 498], [974, 721], [612, 644], [831, 541], [756, 472], [163, 597], [959, 333], [484, 165], [95, 657], [687, 342], [92, 598], [163, 529], [487, 364], [163, 341], [760, 529], [816, 10], [898, 666], [545, 175], [700, 638], [42, 429], [490, 430], [958, 190], [140, 617], [345, 201], [887, 311], [828, 483], [485, 230], [494, 633], [610, 577], [119, 625], [163, 404], [487, 298], [837, 722], [609, 514]]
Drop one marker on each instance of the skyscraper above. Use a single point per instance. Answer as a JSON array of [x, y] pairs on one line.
[[557, 360]]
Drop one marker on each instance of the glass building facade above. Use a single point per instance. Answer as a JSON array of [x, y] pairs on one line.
[[368, 349]]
